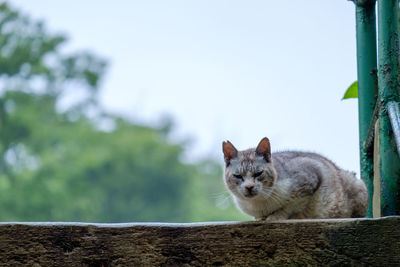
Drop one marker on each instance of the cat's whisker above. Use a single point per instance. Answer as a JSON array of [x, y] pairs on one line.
[[224, 200], [273, 196], [220, 194], [225, 197]]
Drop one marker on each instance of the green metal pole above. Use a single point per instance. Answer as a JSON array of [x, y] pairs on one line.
[[367, 85], [388, 51]]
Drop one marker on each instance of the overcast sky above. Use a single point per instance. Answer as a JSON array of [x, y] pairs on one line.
[[224, 69]]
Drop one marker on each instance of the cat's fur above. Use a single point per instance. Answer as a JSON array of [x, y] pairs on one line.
[[291, 185]]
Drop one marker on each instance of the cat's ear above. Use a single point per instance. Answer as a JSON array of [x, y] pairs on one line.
[[264, 149], [230, 152]]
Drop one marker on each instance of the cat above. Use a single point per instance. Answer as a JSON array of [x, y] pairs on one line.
[[291, 184]]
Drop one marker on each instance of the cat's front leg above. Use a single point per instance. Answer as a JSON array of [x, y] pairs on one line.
[[277, 215]]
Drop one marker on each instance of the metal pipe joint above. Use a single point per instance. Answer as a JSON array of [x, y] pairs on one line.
[[363, 3]]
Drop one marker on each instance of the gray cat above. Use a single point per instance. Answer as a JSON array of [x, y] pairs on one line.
[[291, 185]]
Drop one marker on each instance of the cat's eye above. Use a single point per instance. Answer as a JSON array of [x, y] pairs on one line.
[[238, 176], [255, 175]]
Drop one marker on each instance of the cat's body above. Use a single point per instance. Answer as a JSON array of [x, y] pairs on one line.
[[291, 185]]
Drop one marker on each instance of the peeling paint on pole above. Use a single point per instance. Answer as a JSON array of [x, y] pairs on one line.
[[388, 51]]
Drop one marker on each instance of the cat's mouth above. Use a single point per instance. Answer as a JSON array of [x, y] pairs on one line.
[[250, 194]]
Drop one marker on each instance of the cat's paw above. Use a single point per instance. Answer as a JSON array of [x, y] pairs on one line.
[[273, 218], [276, 216], [268, 218]]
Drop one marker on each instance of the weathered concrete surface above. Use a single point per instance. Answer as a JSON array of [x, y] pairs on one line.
[[348, 242]]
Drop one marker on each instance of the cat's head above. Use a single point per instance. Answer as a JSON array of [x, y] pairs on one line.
[[249, 174]]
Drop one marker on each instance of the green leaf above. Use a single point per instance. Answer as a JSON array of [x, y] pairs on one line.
[[352, 91]]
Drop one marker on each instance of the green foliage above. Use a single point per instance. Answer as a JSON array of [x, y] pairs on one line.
[[67, 166], [352, 91]]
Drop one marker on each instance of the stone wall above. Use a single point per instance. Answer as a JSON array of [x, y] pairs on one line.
[[345, 242]]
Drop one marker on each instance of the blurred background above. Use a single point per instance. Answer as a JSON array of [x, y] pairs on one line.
[[114, 111]]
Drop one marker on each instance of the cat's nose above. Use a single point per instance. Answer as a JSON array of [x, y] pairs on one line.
[[249, 188]]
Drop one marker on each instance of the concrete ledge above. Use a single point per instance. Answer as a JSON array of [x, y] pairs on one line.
[[349, 242]]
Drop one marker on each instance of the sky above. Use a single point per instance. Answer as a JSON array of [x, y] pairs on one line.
[[223, 69]]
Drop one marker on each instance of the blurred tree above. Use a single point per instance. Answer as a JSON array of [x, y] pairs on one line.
[[66, 165]]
